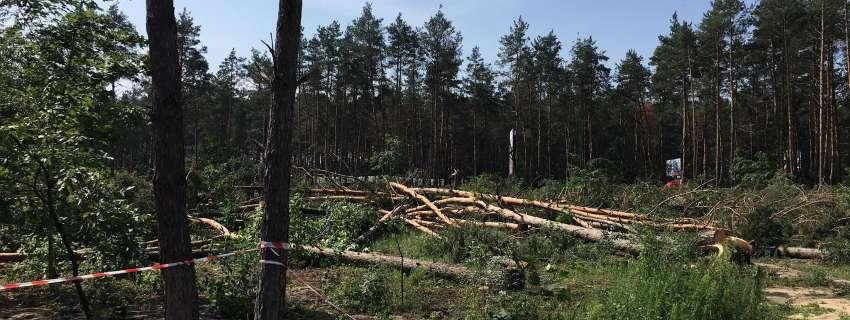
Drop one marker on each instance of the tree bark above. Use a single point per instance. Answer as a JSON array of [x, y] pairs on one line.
[[448, 270], [181, 294], [271, 291]]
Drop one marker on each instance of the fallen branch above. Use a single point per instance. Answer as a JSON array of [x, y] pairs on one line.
[[212, 224], [363, 238], [423, 228], [595, 235], [422, 199]]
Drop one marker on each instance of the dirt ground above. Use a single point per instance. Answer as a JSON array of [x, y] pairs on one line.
[[812, 303]]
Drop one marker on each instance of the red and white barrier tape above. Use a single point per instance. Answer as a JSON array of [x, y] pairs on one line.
[[157, 266], [273, 246]]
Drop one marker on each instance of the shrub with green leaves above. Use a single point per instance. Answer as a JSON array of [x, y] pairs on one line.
[[389, 161], [752, 170], [337, 227]]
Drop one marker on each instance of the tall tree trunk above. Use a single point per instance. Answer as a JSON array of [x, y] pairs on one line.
[[821, 65], [718, 138], [732, 89], [271, 291], [169, 182], [791, 119]]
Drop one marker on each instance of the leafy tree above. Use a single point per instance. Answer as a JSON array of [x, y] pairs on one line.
[[58, 121]]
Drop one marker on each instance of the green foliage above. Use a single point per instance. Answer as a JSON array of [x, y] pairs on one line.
[[337, 227], [492, 184], [390, 161], [230, 286], [369, 292], [752, 170], [57, 124], [666, 284], [210, 189], [589, 187]]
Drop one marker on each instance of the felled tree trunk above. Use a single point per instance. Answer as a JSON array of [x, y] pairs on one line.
[[443, 269], [424, 200], [799, 253], [596, 235]]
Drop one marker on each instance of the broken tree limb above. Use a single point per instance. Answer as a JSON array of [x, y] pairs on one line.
[[363, 238], [12, 257], [422, 199], [581, 222], [423, 228], [212, 224], [489, 224]]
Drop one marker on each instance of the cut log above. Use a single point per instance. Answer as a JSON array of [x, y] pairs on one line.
[[442, 269], [422, 228], [12, 257], [799, 253], [618, 241], [422, 199]]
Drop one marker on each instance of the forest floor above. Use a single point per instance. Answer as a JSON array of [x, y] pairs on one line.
[[814, 291], [559, 276], [802, 289]]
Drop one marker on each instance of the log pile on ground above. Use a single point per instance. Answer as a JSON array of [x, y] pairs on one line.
[[431, 209]]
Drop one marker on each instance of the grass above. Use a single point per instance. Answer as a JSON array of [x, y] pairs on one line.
[[567, 279]]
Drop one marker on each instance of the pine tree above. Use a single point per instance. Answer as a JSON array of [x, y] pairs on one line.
[[590, 83], [441, 45], [479, 86], [632, 94]]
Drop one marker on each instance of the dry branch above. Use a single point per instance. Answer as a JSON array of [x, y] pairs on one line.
[[595, 235], [213, 224]]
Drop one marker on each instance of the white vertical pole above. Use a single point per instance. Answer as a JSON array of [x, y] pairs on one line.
[[511, 160]]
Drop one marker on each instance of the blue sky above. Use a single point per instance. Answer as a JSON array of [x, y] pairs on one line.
[[616, 25]]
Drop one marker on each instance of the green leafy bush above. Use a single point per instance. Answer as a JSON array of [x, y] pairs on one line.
[[337, 228], [589, 187], [752, 170], [389, 161]]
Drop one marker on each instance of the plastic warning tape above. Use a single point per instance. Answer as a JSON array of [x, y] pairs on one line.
[[274, 245], [157, 266]]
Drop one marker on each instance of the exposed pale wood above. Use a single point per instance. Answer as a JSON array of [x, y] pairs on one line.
[[212, 224], [489, 224], [423, 199], [448, 270], [618, 241], [423, 228], [800, 253]]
